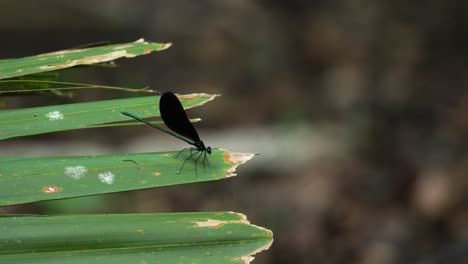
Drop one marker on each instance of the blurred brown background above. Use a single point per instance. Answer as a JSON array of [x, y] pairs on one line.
[[357, 108]]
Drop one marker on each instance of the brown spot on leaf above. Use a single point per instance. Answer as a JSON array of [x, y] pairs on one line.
[[51, 189], [236, 159], [156, 173], [213, 223]]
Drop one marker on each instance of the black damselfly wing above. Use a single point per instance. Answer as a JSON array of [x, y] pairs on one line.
[[175, 118]]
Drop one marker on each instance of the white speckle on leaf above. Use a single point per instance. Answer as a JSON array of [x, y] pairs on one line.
[[106, 177], [76, 172], [54, 115]]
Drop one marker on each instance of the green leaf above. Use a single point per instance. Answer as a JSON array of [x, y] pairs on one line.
[[213, 237], [31, 179], [69, 58], [38, 120], [34, 84]]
